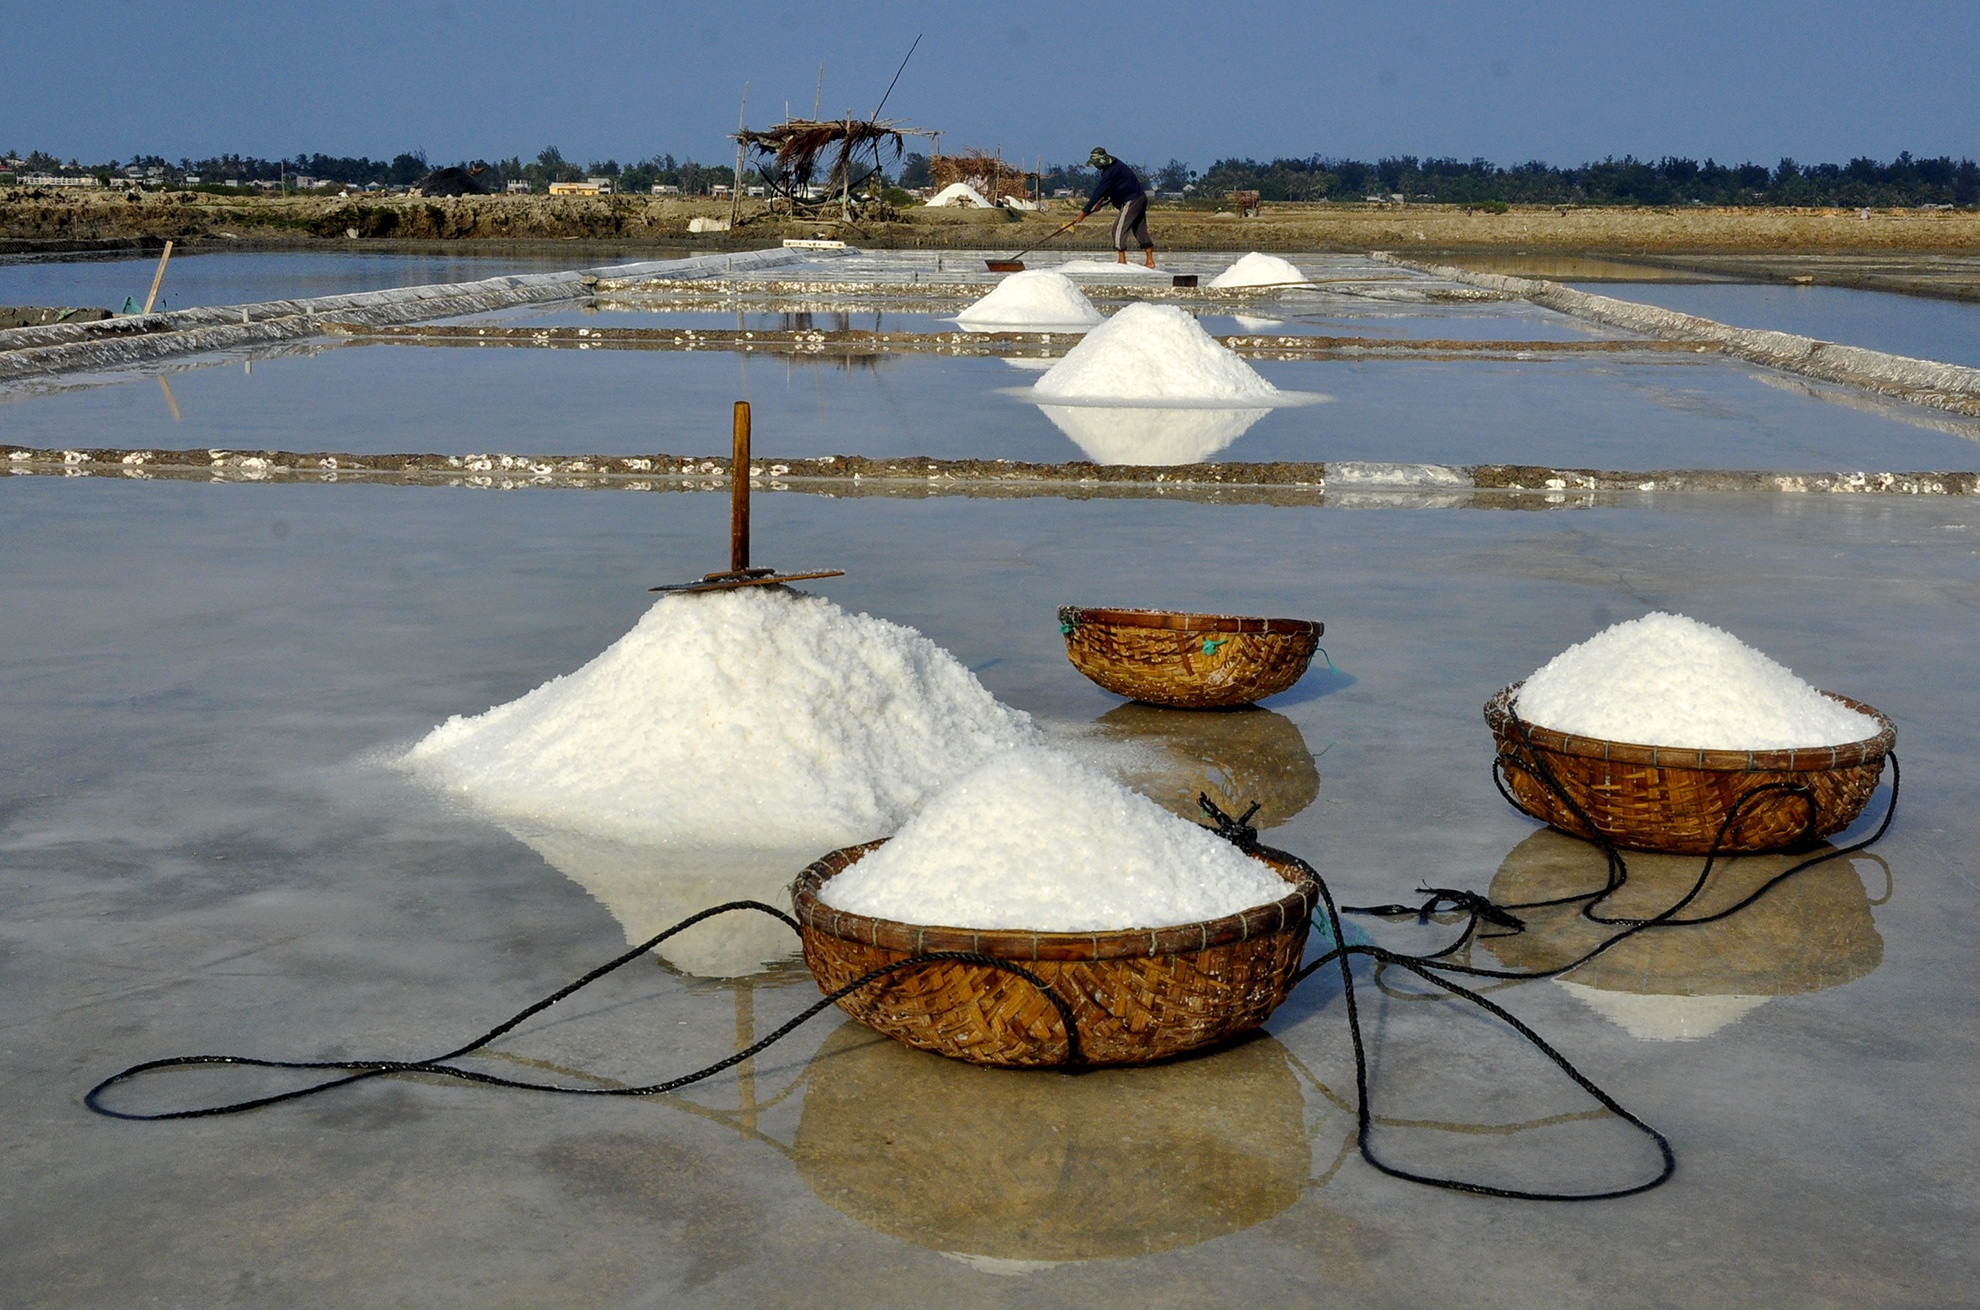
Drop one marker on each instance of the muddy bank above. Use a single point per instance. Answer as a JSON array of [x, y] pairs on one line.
[[1339, 483], [34, 220]]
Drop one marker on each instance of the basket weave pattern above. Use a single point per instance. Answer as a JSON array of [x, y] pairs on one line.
[[1191, 661], [1137, 995], [1663, 798]]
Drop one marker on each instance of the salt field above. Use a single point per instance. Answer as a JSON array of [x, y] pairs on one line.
[[248, 807]]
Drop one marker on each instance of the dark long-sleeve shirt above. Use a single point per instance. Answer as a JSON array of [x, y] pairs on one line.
[[1117, 186]]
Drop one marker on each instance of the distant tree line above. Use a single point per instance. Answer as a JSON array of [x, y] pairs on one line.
[[1902, 183]]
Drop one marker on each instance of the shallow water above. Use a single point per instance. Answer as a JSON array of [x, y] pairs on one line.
[[202, 852], [1636, 412], [219, 278], [1924, 328]]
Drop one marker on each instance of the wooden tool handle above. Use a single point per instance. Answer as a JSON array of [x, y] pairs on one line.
[[739, 493]]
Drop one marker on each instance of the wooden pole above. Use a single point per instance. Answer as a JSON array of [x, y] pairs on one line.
[[158, 278], [735, 192], [739, 493]]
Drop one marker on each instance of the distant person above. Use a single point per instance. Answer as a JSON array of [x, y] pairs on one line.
[[1119, 187]]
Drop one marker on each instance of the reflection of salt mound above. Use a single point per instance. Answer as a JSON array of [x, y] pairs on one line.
[[1013, 1170], [1252, 323], [1668, 680], [759, 717], [1256, 270], [1652, 1018], [1026, 363], [649, 888], [1151, 436], [1105, 268], [1151, 353], [1037, 299], [1683, 982]]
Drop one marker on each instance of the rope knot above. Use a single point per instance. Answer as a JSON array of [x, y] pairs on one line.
[[1468, 901], [1238, 832]]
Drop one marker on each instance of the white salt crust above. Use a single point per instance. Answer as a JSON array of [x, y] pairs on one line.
[[758, 717], [1038, 298], [1148, 353], [1035, 839], [1256, 270], [1667, 680]]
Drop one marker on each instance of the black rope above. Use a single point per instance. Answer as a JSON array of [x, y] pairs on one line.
[[360, 1070], [1239, 832]]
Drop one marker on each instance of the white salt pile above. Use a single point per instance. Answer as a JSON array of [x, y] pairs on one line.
[[758, 717], [1256, 270], [1038, 299], [1666, 680], [1151, 353], [1035, 839]]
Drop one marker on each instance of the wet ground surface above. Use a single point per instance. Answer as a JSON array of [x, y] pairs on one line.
[[194, 280], [1944, 330], [201, 849]]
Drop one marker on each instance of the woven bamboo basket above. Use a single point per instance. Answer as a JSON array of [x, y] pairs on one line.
[[1670, 799], [1190, 661], [1136, 995]]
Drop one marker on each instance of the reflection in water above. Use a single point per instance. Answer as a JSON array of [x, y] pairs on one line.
[[1012, 1169], [1234, 756], [1151, 436], [647, 888], [1811, 932], [1253, 324]]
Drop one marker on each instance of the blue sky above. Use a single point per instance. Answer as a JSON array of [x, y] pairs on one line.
[[1151, 80]]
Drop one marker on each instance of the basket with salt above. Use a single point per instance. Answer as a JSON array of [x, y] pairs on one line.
[[1048, 892], [1190, 661], [1664, 734]]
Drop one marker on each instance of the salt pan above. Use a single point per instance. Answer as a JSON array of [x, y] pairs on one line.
[[1256, 270], [1101, 269], [1035, 839], [758, 717], [1667, 680], [1150, 353], [1036, 299]]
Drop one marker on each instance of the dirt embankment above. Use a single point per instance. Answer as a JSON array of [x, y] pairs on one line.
[[33, 219]]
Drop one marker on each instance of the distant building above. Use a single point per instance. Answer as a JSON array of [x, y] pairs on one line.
[[517, 188], [584, 188], [755, 191], [665, 189], [604, 184], [56, 179]]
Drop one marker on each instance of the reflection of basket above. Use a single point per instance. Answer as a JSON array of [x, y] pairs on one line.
[[1192, 661], [984, 1163], [1242, 755], [1136, 995], [1663, 798]]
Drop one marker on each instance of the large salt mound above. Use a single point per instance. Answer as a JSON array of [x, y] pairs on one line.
[[757, 717], [1256, 270], [1144, 436], [1666, 680], [1037, 299], [1035, 839], [1149, 353]]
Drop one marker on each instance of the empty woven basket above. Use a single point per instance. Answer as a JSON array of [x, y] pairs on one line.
[[1136, 995], [1191, 661], [1664, 798]]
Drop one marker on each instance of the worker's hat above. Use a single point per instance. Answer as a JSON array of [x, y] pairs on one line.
[[1099, 158]]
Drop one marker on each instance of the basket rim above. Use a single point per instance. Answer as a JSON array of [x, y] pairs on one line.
[[1292, 910], [1184, 621], [1799, 759]]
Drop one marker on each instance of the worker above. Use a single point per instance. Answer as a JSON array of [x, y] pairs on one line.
[[1119, 187]]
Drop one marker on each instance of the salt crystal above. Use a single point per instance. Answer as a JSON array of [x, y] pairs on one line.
[[1036, 299], [759, 717], [1256, 270], [1148, 353], [1035, 839], [1667, 680]]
